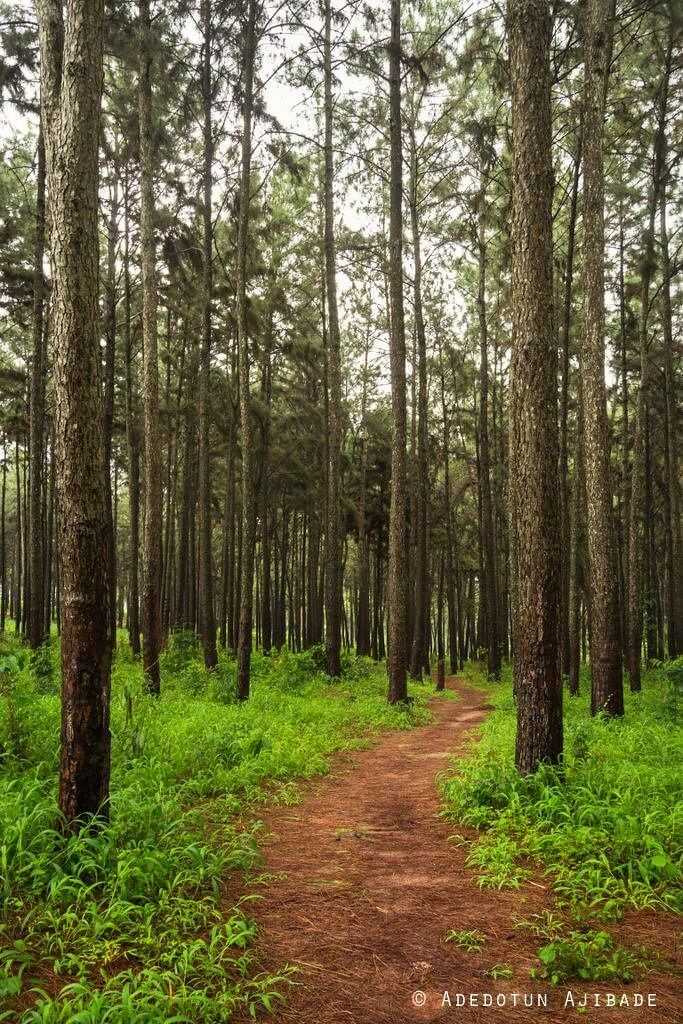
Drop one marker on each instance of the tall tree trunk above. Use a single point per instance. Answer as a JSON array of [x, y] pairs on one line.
[[440, 651], [567, 545], [228, 552], [109, 368], [672, 510], [36, 615], [576, 566], [418, 654], [266, 393], [151, 581], [606, 676], [363, 617], [625, 472], [132, 440], [397, 584], [49, 546], [451, 599], [333, 576], [18, 543], [3, 538], [636, 525], [207, 618], [490, 590], [534, 448], [248, 486], [71, 89]]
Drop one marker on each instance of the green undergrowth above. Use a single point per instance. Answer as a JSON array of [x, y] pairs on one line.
[[132, 924], [605, 825]]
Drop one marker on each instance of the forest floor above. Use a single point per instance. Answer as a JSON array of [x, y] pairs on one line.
[[365, 882]]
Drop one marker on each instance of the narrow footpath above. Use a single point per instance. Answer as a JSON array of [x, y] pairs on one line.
[[368, 882]]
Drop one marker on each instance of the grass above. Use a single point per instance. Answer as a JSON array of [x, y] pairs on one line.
[[470, 941], [132, 925], [605, 825]]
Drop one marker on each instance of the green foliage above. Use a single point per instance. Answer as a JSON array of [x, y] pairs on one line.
[[470, 941], [606, 824], [130, 920], [589, 956]]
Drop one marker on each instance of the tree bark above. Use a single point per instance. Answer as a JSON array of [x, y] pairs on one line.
[[207, 617], [71, 89], [132, 440], [567, 544], [109, 367], [490, 590], [672, 510], [363, 617], [248, 485], [397, 584], [151, 581], [36, 616], [534, 448], [605, 656], [3, 538], [333, 576], [418, 655], [636, 524]]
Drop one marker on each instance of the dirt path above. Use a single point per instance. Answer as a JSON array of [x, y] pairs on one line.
[[368, 885]]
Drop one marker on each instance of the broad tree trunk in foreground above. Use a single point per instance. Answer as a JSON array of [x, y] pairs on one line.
[[605, 659], [397, 587], [248, 488], [534, 449], [151, 575], [71, 88], [333, 574]]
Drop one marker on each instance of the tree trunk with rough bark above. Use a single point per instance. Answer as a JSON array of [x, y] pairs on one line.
[[71, 46], [36, 617], [636, 524], [109, 370], [418, 655], [333, 575], [207, 617], [605, 657], [672, 501], [363, 617], [534, 447], [247, 440], [151, 575], [132, 440], [490, 589], [397, 584], [565, 525]]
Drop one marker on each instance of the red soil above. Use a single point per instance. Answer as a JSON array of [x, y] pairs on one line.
[[368, 885]]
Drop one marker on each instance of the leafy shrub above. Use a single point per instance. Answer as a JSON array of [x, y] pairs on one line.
[[590, 956]]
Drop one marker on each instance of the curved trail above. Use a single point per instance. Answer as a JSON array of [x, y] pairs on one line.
[[368, 884]]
